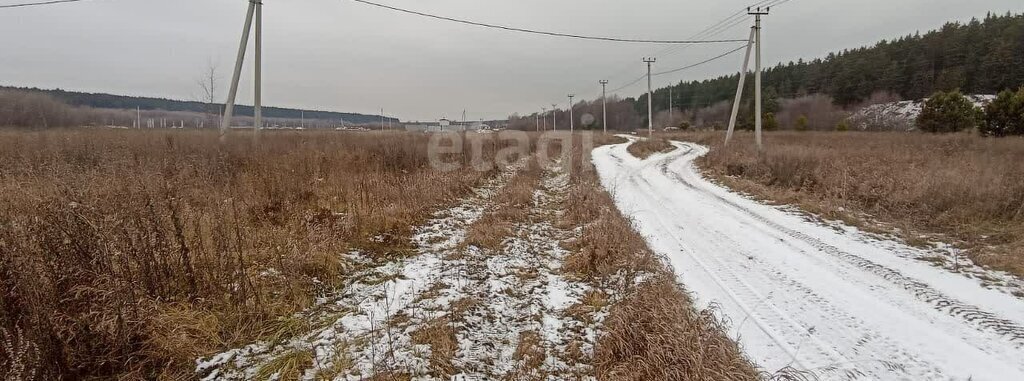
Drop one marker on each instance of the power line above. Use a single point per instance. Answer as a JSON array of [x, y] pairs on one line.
[[38, 3], [723, 25], [702, 62], [631, 83], [737, 18], [718, 57], [544, 33], [727, 23]]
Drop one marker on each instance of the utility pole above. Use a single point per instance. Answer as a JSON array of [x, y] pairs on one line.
[[258, 92], [670, 104], [229, 106], [650, 98], [138, 117], [544, 116], [572, 119], [739, 88], [757, 73], [537, 119], [554, 117], [604, 105], [382, 119]]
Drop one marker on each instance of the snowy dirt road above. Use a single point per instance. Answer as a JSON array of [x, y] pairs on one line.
[[447, 311], [822, 298]]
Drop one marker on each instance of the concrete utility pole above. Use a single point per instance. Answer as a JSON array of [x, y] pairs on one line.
[[604, 105], [757, 73], [739, 88], [670, 103], [572, 119], [138, 117], [537, 119], [229, 107], [257, 108], [554, 117], [544, 116], [650, 98]]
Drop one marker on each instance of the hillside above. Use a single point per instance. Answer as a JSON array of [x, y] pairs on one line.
[[978, 57], [110, 101]]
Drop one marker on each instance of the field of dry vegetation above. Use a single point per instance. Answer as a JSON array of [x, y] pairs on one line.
[[652, 331], [130, 254], [646, 147], [957, 188]]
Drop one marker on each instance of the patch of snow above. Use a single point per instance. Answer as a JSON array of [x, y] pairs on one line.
[[838, 302], [900, 115]]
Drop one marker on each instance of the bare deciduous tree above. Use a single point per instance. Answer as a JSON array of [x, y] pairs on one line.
[[208, 84]]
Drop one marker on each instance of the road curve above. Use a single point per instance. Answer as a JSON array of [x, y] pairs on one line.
[[832, 301]]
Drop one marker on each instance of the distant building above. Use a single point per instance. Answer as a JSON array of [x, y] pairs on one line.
[[445, 125]]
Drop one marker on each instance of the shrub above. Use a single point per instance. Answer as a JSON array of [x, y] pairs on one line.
[[948, 112], [801, 123], [770, 124], [1005, 115], [843, 126], [820, 111]]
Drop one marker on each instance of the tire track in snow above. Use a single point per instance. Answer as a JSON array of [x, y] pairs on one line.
[[921, 290], [791, 298], [360, 337], [521, 292]]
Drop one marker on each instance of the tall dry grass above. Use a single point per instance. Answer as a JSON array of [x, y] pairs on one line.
[[963, 187], [511, 206], [128, 254], [646, 147], [652, 331]]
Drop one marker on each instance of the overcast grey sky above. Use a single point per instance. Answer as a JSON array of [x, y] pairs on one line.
[[344, 56]]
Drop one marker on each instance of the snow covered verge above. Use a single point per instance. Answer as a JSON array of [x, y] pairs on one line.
[[899, 116], [447, 311], [834, 301]]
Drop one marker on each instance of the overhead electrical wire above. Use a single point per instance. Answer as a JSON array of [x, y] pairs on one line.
[[37, 3], [544, 33], [722, 25], [725, 24], [715, 58], [699, 63]]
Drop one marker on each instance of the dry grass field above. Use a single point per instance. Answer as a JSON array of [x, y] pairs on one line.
[[956, 188], [131, 254], [652, 330], [646, 147]]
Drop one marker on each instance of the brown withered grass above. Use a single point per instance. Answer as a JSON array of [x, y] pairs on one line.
[[646, 147], [954, 187], [511, 206], [652, 331], [128, 254]]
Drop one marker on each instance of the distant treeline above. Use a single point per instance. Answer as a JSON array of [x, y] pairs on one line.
[[979, 57], [123, 102]]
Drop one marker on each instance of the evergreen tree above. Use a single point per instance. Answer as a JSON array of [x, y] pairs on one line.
[[978, 57], [948, 112], [1005, 115]]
